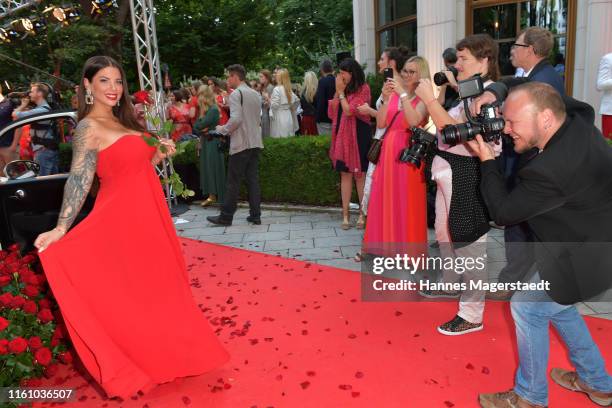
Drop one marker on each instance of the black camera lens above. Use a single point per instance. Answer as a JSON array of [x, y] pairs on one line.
[[463, 132], [440, 78]]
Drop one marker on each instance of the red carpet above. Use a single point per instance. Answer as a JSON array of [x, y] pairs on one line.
[[300, 337]]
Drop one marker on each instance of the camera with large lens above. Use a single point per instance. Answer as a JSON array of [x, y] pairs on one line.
[[421, 142], [440, 78], [486, 123], [16, 97]]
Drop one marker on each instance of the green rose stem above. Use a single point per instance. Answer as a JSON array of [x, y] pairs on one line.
[[174, 180]]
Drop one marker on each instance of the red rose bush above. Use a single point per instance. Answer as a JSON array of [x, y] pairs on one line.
[[31, 338]]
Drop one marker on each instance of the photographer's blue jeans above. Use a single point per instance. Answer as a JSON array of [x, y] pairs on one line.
[[48, 161], [533, 311]]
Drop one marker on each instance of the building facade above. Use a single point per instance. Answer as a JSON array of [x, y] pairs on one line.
[[582, 30]]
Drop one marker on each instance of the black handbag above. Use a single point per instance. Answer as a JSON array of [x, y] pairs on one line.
[[376, 146]]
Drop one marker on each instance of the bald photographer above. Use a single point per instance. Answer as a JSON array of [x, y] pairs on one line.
[[564, 193]]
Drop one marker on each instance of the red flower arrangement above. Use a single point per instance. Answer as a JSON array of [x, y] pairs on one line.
[[30, 337]]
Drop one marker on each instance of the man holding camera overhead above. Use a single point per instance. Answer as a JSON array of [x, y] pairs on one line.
[[45, 142], [8, 142]]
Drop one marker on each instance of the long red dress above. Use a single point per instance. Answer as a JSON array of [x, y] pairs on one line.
[[121, 282], [397, 212]]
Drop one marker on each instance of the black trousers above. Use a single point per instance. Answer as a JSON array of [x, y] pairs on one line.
[[242, 165], [518, 238]]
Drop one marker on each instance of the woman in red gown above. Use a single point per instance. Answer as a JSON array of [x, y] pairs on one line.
[[181, 113], [119, 276]]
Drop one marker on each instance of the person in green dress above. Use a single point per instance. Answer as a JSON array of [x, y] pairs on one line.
[[212, 159]]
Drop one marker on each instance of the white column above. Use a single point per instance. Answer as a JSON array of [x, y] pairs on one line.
[[364, 33], [593, 40], [437, 22]]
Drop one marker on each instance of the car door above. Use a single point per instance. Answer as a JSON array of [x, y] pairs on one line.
[[31, 206]]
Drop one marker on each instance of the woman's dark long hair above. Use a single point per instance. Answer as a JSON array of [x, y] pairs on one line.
[[357, 76], [125, 111]]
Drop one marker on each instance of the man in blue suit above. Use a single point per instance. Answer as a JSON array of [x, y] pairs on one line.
[[530, 52]]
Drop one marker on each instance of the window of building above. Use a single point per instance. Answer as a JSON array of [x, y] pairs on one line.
[[504, 20], [396, 24]]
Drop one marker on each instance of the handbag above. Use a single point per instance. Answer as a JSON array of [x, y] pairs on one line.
[[376, 146]]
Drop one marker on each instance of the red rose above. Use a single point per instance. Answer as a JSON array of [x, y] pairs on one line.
[[30, 307], [28, 259], [17, 345], [13, 248], [29, 279], [17, 302], [51, 371], [3, 347], [6, 299], [43, 356], [24, 270], [41, 279], [3, 254], [12, 266], [35, 343], [60, 331], [3, 323], [32, 382], [66, 357], [31, 291], [44, 304], [45, 315], [4, 280]]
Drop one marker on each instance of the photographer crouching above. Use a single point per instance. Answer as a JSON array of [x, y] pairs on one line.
[[564, 192]]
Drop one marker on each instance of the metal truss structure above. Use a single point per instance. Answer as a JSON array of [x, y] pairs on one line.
[[8, 7], [147, 60], [149, 71]]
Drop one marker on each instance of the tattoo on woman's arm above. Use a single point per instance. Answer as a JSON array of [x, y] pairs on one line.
[[82, 172]]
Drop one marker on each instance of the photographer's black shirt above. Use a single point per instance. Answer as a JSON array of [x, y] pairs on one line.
[[6, 110]]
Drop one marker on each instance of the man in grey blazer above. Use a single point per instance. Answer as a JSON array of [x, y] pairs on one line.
[[244, 131]]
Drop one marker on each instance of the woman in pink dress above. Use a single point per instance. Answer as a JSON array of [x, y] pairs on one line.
[[397, 212], [351, 133]]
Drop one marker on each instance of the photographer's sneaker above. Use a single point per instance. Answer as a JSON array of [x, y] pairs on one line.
[[459, 326], [570, 381]]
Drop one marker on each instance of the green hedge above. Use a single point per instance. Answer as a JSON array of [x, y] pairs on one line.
[[292, 170]]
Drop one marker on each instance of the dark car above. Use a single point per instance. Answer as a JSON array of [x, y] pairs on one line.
[[30, 204]]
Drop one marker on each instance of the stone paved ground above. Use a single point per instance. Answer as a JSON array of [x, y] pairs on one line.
[[317, 237]]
